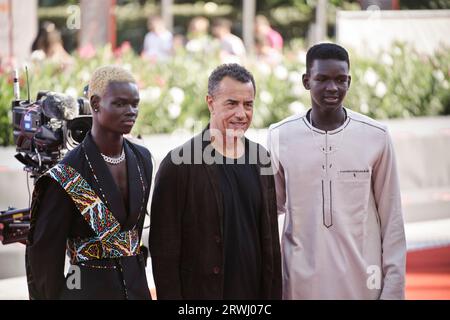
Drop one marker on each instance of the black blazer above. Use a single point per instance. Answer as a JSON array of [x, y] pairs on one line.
[[187, 224], [54, 219]]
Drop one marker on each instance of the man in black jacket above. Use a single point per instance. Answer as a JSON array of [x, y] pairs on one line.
[[214, 230], [93, 205]]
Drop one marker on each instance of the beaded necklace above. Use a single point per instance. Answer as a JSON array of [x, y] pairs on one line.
[[103, 194]]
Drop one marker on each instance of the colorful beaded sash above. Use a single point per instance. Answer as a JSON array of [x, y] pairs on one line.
[[109, 241]]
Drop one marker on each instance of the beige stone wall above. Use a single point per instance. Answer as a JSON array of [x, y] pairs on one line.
[[23, 28], [369, 31]]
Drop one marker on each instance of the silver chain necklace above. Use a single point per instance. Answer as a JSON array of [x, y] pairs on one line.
[[112, 160], [103, 194]]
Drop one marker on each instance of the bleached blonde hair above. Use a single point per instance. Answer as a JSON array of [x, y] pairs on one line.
[[105, 75]]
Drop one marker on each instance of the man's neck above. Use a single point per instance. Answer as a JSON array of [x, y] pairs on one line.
[[109, 143], [327, 120], [230, 147]]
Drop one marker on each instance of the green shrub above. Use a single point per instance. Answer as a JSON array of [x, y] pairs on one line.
[[398, 83]]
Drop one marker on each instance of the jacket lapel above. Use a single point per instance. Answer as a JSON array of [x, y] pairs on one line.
[[211, 170], [135, 192], [267, 191], [111, 194]]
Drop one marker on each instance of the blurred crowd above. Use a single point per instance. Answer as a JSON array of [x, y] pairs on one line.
[[205, 37], [214, 37], [160, 44]]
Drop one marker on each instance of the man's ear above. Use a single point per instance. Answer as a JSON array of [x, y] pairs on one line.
[[305, 80], [95, 102], [209, 102], [349, 81]]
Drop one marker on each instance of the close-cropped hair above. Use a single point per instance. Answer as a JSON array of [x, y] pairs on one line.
[[232, 70], [324, 51], [103, 76]]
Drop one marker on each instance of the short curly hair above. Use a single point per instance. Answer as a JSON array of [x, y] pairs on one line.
[[105, 75]]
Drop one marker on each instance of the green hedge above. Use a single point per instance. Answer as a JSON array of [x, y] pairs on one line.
[[398, 83]]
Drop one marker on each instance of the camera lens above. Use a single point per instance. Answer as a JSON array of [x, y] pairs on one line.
[[77, 130], [84, 106]]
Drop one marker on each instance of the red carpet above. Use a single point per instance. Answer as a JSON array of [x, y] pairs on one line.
[[428, 274]]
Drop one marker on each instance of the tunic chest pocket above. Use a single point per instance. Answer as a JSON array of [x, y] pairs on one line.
[[353, 175], [352, 194]]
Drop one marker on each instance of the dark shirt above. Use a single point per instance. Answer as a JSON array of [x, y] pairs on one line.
[[239, 183]]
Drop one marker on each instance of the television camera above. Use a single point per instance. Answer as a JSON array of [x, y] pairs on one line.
[[43, 130]]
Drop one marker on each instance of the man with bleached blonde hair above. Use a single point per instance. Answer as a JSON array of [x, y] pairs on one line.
[[92, 205]]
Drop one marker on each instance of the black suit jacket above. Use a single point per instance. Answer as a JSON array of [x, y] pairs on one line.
[[54, 219], [186, 231]]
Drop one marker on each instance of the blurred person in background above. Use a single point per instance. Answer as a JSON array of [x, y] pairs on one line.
[[197, 36], [158, 42], [266, 34], [264, 52], [232, 48], [48, 45]]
